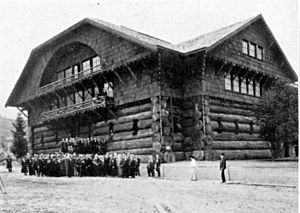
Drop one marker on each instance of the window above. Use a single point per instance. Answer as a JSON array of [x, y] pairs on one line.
[[250, 87], [68, 74], [259, 53], [61, 75], [245, 47], [69, 100], [75, 70], [228, 82], [63, 101], [252, 48], [78, 96], [96, 63], [86, 67], [244, 86], [236, 85], [88, 94], [95, 91], [257, 89], [108, 90]]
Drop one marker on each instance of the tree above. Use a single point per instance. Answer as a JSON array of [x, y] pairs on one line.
[[19, 147], [277, 117]]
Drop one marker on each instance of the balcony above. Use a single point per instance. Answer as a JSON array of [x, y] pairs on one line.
[[88, 73], [99, 102]]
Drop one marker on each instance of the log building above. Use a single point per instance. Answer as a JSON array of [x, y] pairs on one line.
[[96, 78]]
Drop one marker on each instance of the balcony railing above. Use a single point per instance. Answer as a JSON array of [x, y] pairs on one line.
[[70, 79], [99, 102]]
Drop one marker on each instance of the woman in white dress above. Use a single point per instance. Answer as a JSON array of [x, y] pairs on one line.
[[193, 166]]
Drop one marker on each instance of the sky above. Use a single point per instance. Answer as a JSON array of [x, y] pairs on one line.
[[26, 24]]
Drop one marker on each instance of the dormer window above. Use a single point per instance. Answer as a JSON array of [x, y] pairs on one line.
[[252, 49]]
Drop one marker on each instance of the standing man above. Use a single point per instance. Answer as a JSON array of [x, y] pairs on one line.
[[9, 163], [223, 167], [157, 164]]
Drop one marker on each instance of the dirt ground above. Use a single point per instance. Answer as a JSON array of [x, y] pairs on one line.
[[143, 194]]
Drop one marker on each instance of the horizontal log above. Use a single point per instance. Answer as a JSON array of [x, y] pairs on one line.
[[178, 137], [141, 151], [230, 127], [243, 154], [45, 140], [123, 127], [189, 113], [45, 134], [134, 110], [125, 119], [188, 122], [49, 145], [229, 145], [144, 124], [229, 136], [231, 118], [228, 110], [40, 129], [128, 135], [101, 131], [231, 104], [130, 144], [46, 151], [178, 146]]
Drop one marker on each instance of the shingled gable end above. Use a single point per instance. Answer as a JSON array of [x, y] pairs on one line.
[[96, 78]]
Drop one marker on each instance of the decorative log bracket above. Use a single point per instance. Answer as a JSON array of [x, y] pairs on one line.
[[119, 77], [220, 69], [22, 111], [131, 72]]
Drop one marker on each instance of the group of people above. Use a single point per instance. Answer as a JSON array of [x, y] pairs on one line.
[[59, 164], [92, 145]]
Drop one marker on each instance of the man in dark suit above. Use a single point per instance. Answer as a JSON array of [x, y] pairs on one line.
[[9, 163], [223, 167]]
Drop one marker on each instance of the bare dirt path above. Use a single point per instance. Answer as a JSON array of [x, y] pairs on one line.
[[143, 194]]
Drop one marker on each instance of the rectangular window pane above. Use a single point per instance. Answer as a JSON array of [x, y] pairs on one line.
[[257, 89], [78, 96], [75, 71], [244, 86], [96, 63], [60, 75], [86, 67], [252, 50], [245, 47], [259, 53], [69, 100], [236, 86], [68, 74], [250, 88], [63, 101], [87, 94], [228, 82]]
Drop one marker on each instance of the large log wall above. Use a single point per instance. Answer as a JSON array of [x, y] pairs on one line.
[[234, 131]]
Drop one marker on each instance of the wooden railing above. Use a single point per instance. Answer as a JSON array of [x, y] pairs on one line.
[[99, 102], [70, 79]]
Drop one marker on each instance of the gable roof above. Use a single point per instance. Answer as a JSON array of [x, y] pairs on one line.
[[211, 39], [204, 42]]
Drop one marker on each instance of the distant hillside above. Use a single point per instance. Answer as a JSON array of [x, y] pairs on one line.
[[5, 126]]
